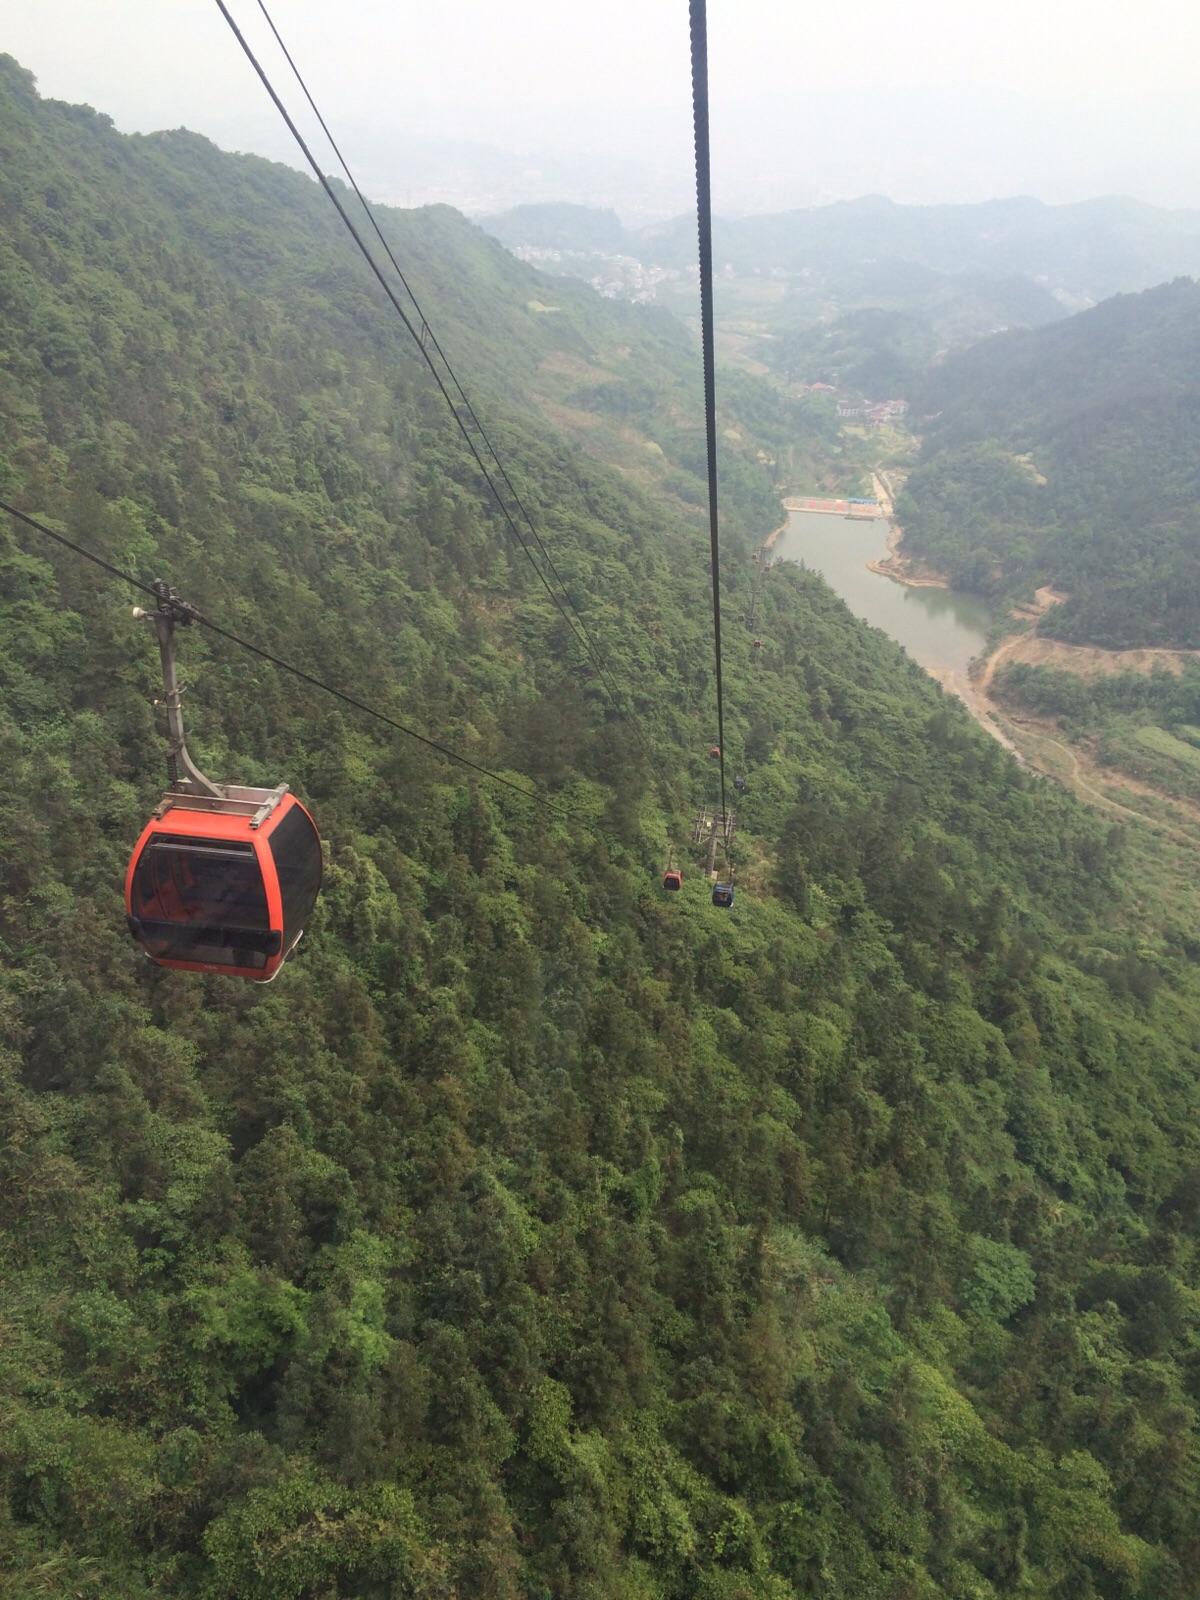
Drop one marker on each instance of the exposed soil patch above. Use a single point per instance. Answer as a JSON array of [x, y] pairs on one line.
[[1043, 599], [1040, 742], [1084, 660]]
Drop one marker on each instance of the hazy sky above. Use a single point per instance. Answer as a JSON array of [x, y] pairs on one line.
[[920, 99]]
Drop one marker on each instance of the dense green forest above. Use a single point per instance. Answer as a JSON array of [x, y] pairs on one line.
[[536, 1234], [1068, 455]]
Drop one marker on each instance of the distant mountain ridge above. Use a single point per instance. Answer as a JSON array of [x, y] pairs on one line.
[[960, 272], [1087, 250], [1071, 454]]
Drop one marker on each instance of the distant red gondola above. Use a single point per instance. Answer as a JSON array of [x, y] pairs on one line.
[[714, 752], [672, 878]]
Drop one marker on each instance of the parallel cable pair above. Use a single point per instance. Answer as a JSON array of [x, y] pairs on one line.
[[427, 346], [440, 368], [699, 53]]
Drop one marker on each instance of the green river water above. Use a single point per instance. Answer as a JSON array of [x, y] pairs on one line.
[[940, 630]]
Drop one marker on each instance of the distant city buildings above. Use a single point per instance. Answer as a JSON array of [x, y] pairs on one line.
[[886, 411], [619, 277], [877, 413]]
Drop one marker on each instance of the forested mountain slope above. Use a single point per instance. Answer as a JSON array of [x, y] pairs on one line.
[[1071, 455], [535, 1234], [871, 352]]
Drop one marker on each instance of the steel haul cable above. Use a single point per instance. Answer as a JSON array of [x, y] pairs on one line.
[[699, 33], [286, 666]]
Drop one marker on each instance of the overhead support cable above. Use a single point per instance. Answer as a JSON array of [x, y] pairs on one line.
[[201, 620], [427, 337], [443, 373], [424, 339], [79, 550], [699, 34]]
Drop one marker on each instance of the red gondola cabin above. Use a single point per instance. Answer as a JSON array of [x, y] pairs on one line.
[[672, 878], [224, 885]]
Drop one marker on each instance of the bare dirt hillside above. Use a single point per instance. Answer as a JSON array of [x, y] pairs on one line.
[[1086, 661]]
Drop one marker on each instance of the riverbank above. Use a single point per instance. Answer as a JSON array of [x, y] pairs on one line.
[[904, 569], [859, 510], [930, 627], [773, 538], [942, 632], [895, 565], [980, 705], [931, 630]]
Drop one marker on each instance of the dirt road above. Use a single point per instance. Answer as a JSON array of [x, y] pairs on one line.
[[882, 484], [1085, 777], [1083, 660], [1033, 737], [1004, 652]]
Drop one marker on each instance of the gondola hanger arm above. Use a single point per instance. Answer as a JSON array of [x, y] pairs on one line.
[[182, 772]]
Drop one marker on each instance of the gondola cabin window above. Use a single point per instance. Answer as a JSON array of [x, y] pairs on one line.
[[203, 900]]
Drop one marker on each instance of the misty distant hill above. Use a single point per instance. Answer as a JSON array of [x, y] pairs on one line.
[[1071, 455], [900, 320], [1083, 252], [561, 226], [963, 271]]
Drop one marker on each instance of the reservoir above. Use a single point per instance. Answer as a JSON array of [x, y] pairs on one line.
[[940, 630]]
